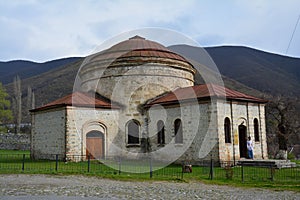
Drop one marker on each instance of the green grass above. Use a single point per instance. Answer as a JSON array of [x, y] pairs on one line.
[[296, 161], [11, 162], [11, 152], [283, 179]]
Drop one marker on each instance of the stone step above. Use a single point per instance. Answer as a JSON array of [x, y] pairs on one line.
[[267, 163]]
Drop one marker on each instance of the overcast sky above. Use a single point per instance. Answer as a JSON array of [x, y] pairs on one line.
[[41, 30]]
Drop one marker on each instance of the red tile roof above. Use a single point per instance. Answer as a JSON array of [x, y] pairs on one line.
[[202, 92], [199, 92], [137, 47], [78, 99]]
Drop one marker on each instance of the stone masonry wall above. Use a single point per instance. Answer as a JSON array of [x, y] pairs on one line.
[[82, 120], [11, 141], [207, 119], [48, 134], [241, 113], [132, 86], [199, 135]]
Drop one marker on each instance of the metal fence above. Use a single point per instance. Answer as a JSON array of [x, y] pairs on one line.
[[146, 167], [143, 167], [244, 173]]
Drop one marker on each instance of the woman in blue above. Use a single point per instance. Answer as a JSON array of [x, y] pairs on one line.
[[250, 148]]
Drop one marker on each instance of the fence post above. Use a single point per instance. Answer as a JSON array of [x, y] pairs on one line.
[[119, 165], [242, 172], [151, 173], [89, 162], [56, 162], [23, 162], [272, 172], [211, 172], [182, 170]]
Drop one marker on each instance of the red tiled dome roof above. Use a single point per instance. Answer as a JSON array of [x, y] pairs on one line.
[[137, 47], [137, 42]]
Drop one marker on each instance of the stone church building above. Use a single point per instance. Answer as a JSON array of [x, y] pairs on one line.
[[138, 97]]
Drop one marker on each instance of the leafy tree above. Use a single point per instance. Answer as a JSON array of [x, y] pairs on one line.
[[5, 112]]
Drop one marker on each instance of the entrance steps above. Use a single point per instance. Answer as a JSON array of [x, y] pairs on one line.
[[267, 163]]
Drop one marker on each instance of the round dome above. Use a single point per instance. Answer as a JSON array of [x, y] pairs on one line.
[[135, 70], [137, 42], [137, 47]]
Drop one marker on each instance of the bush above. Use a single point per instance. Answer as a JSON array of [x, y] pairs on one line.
[[291, 156], [3, 129]]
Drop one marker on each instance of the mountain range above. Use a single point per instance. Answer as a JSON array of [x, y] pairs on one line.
[[266, 72], [26, 69], [244, 69]]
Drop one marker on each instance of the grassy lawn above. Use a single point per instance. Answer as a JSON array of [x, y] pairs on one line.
[[11, 162], [283, 179], [10, 152]]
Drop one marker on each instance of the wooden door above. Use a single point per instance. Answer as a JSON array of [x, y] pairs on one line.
[[95, 144]]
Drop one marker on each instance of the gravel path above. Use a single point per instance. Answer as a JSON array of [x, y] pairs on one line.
[[80, 187]]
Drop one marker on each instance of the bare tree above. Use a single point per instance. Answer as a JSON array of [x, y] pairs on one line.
[[17, 103], [29, 98], [32, 100], [282, 123]]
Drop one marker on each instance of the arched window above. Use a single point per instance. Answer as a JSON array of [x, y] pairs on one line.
[[256, 131], [178, 131], [160, 132], [227, 130], [133, 130]]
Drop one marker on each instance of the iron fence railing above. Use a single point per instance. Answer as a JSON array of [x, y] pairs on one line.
[[85, 164], [146, 167], [245, 173]]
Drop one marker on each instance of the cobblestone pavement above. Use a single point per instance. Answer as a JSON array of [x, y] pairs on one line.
[[81, 187]]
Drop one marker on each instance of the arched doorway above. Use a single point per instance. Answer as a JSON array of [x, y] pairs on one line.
[[95, 144], [243, 141]]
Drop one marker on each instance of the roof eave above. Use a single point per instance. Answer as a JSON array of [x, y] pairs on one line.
[[75, 105], [262, 101], [174, 102]]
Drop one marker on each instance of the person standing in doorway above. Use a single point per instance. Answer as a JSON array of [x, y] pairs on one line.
[[250, 148]]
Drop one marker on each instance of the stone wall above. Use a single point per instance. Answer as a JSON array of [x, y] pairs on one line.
[[199, 135], [82, 120], [241, 113], [48, 134], [12, 141], [203, 130], [134, 85], [61, 132]]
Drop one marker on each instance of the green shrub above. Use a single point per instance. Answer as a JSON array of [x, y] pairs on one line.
[[291, 156], [3, 129]]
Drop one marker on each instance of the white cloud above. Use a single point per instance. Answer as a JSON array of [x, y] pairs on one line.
[[43, 30]]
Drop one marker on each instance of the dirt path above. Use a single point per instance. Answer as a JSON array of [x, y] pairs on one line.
[[81, 187]]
